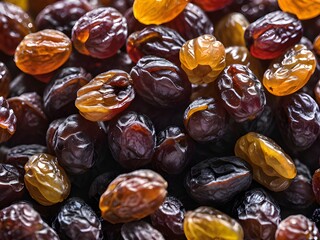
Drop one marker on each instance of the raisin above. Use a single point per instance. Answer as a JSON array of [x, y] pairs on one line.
[[20, 221], [140, 230], [76, 142], [45, 179], [306, 9], [11, 185], [218, 180], [168, 219], [316, 184], [173, 152], [120, 5], [209, 223], [61, 92], [62, 15], [76, 220], [258, 214], [133, 196], [24, 83], [160, 82], [8, 120], [128, 152], [42, 52], [205, 120], [105, 96], [270, 36], [316, 44], [299, 120], [5, 78], [290, 72], [317, 92], [32, 123], [272, 167], [297, 227], [191, 23], [19, 155], [230, 30], [157, 12], [212, 5], [202, 59], [158, 41], [15, 25], [100, 33], [241, 92]]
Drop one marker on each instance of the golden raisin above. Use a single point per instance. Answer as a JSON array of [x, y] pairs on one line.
[[105, 96], [290, 72], [206, 223], [42, 52], [45, 180], [157, 11], [272, 167], [303, 9], [203, 59], [133, 196], [230, 30], [316, 45]]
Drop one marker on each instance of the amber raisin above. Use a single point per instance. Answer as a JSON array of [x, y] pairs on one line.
[[303, 9]]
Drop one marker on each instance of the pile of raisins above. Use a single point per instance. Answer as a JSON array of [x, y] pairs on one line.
[[159, 119]]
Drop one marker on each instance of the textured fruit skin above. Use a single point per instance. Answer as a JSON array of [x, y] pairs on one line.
[[15, 24], [8, 120], [45, 179], [5, 79], [258, 214], [209, 223], [272, 167], [297, 227], [42, 52], [202, 59], [271, 35], [20, 221], [306, 9], [105, 96], [212, 5], [140, 230], [133, 196], [100, 33], [218, 180], [157, 12], [290, 72], [241, 92]]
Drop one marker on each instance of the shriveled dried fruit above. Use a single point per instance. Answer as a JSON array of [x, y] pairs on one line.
[[105, 96], [203, 59], [5, 78], [140, 230], [133, 196], [212, 5], [303, 9], [8, 120]]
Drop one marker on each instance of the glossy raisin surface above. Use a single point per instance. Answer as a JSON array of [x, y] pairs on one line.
[[76, 143], [290, 72], [24, 83], [5, 78], [173, 151], [133, 196], [210, 223], [15, 25], [159, 41], [60, 94], [11, 185], [212, 5], [258, 214], [241, 92], [45, 179], [218, 180], [42, 52], [205, 119], [8, 120], [160, 82], [105, 96], [20, 221], [302, 9], [77, 220], [140, 230], [168, 219], [132, 154], [316, 185], [297, 227], [271, 35], [157, 12], [100, 33], [62, 15], [32, 122], [272, 167], [299, 120]]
